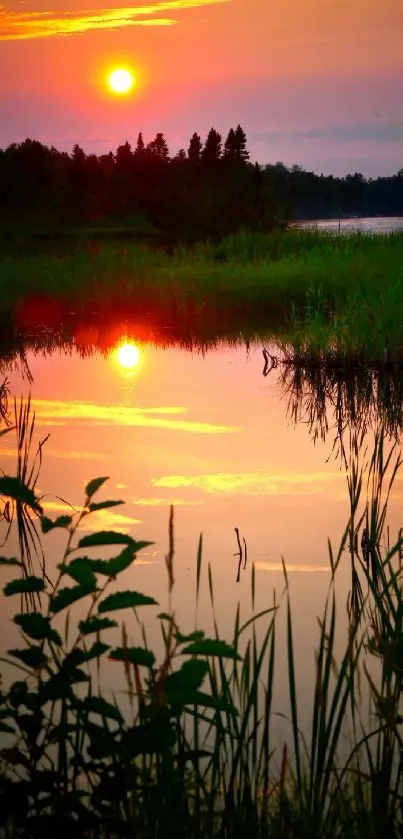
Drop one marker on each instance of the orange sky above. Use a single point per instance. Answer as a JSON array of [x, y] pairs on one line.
[[316, 82]]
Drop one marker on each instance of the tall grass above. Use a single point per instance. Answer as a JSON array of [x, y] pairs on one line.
[[194, 755], [332, 292]]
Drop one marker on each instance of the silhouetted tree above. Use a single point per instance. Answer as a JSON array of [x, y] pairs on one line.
[[158, 147], [195, 148], [241, 152], [211, 152], [230, 147], [139, 150]]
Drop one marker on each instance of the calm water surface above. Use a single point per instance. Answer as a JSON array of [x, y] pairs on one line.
[[387, 224], [210, 435]]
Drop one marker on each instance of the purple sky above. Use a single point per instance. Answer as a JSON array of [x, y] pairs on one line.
[[319, 82]]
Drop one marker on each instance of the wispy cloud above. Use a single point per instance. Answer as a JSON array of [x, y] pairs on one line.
[[24, 25], [54, 412], [371, 132], [252, 483]]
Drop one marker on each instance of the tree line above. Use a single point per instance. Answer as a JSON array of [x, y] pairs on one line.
[[209, 189], [306, 195]]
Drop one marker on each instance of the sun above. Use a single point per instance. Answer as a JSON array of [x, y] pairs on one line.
[[128, 356], [121, 81]]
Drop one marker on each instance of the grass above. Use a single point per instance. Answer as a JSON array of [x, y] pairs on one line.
[[194, 757], [327, 293]]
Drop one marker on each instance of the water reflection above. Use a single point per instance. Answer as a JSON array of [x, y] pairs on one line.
[[233, 450], [330, 400]]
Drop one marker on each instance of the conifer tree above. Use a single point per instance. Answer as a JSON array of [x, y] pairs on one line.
[[230, 147], [241, 152], [195, 148], [212, 150]]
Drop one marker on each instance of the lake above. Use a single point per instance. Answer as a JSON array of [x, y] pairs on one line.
[[378, 224], [229, 447]]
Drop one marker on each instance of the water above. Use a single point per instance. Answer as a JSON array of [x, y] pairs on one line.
[[208, 433], [388, 224]]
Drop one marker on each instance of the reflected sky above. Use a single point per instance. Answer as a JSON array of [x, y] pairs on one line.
[[209, 434]]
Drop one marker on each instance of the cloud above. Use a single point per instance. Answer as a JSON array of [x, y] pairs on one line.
[[372, 132], [54, 412], [252, 483], [15, 26]]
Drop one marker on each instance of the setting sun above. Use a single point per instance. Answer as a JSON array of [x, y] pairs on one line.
[[121, 81], [128, 355]]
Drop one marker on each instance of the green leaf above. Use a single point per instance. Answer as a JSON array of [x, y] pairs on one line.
[[97, 649], [99, 705], [80, 570], [208, 701], [105, 537], [38, 627], [61, 521], [191, 675], [198, 635], [6, 729], [133, 655], [212, 646], [5, 560], [114, 566], [125, 600], [95, 624], [25, 585], [66, 596], [103, 505], [93, 486], [31, 656], [15, 488]]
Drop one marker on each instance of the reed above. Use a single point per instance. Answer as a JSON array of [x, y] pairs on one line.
[[194, 755]]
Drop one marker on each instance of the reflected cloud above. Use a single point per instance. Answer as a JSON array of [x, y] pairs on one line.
[[253, 483], [54, 412], [23, 25], [165, 502], [100, 520], [303, 568]]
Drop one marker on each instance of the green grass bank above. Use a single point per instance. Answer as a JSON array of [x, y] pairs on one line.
[[329, 292]]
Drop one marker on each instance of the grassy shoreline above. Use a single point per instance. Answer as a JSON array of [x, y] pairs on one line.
[[325, 291]]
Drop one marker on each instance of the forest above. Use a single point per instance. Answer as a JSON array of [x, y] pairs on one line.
[[209, 190]]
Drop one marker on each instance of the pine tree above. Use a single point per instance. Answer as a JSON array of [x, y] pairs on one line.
[[124, 156], [230, 147], [241, 152], [139, 150], [212, 150], [195, 148], [158, 147]]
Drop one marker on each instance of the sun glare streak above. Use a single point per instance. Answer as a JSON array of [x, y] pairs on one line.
[[128, 356]]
